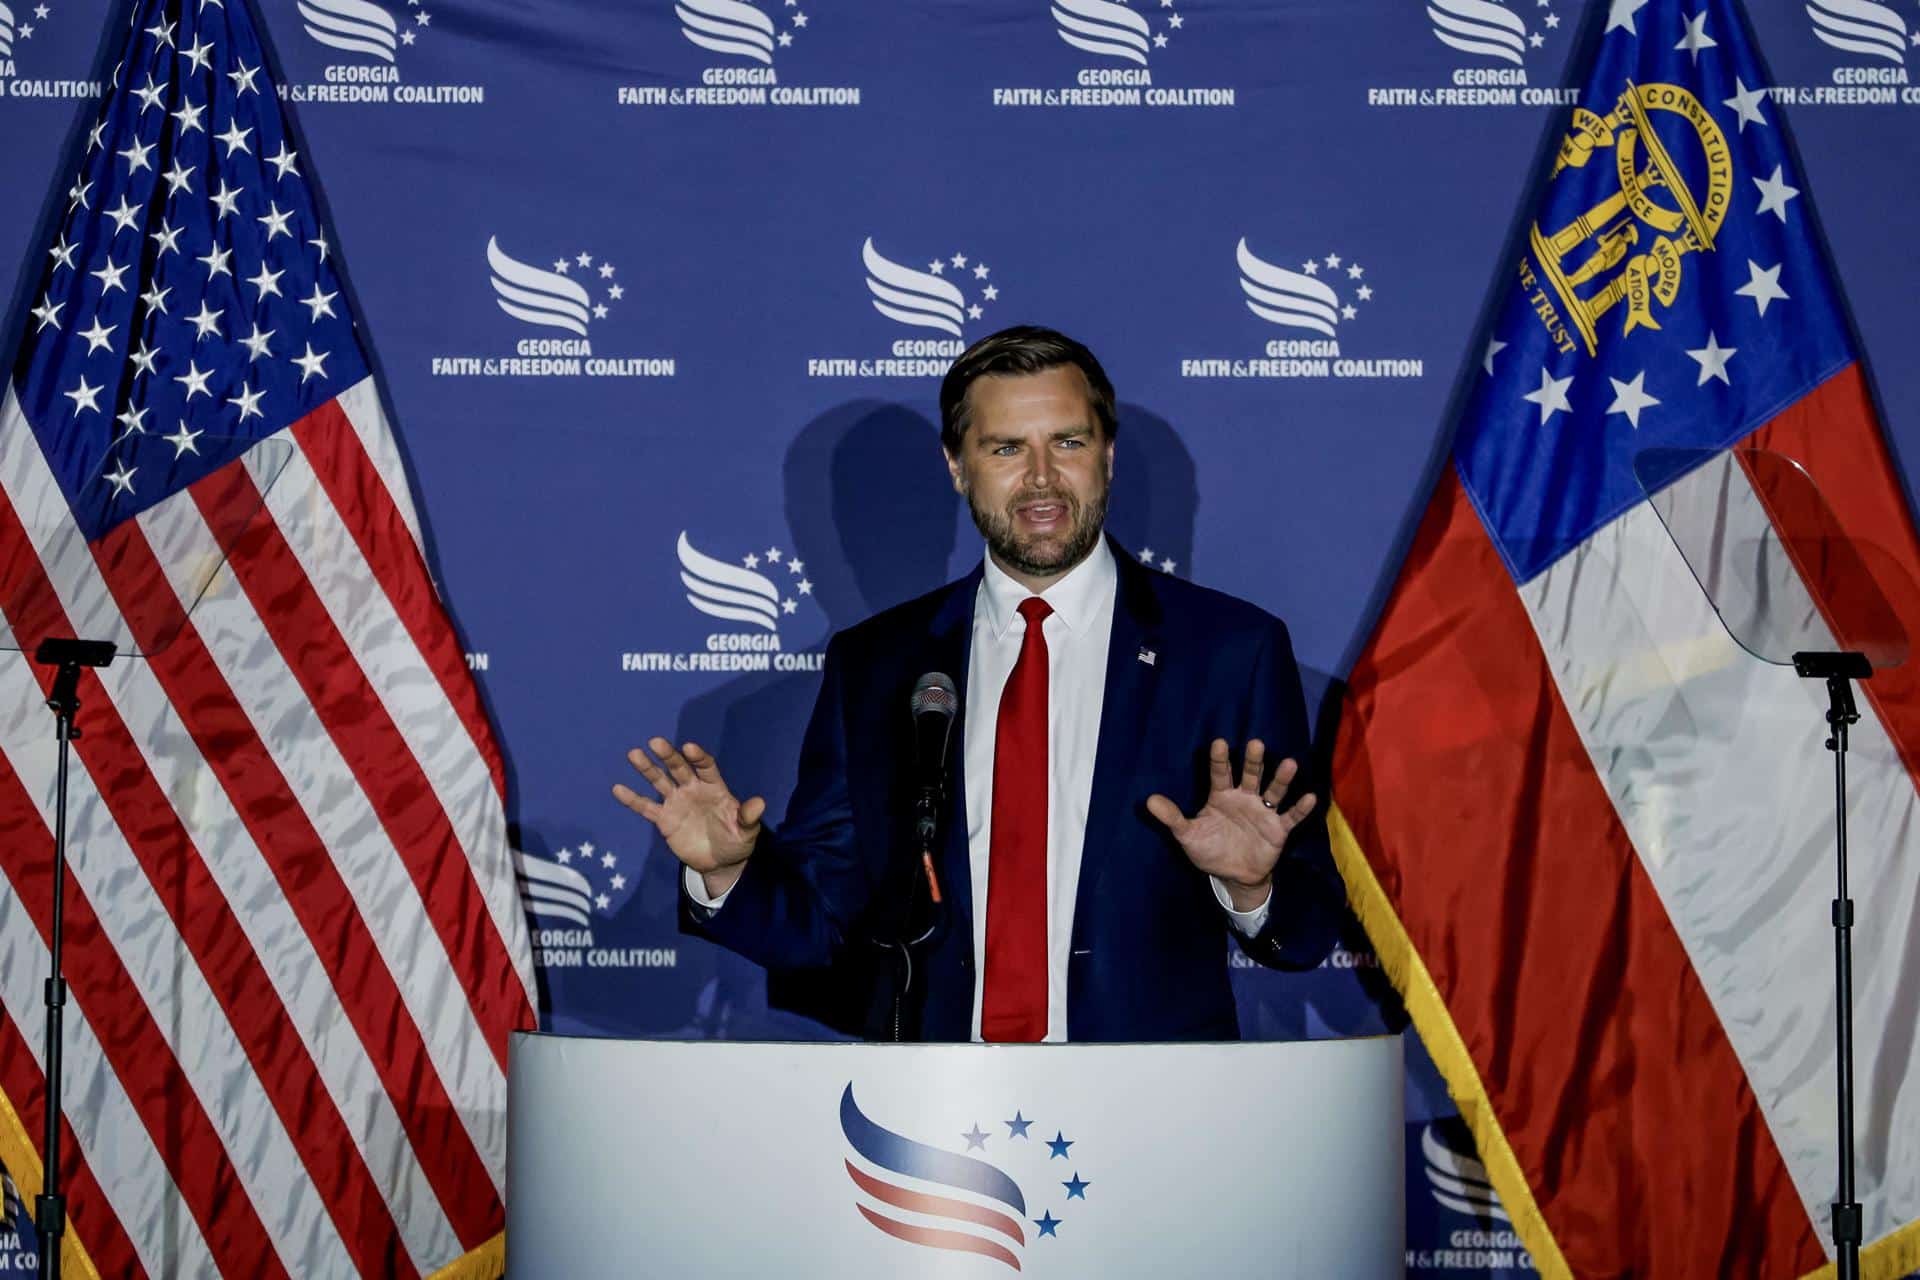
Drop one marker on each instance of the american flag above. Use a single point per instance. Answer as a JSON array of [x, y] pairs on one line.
[[1590, 830], [295, 944]]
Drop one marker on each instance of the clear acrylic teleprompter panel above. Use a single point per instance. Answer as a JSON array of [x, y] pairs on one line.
[[133, 586], [1768, 551]]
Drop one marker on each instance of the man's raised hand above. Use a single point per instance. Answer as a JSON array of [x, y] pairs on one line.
[[1239, 833], [704, 825]]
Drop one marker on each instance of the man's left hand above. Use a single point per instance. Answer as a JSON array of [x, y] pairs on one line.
[[1238, 834]]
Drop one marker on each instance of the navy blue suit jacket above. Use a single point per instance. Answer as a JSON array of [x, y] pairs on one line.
[[1149, 953]]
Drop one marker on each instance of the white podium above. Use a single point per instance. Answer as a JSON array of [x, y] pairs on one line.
[[688, 1159]]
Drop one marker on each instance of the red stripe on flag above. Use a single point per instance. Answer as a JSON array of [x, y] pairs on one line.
[[1834, 433], [136, 1050], [943, 1206], [383, 765], [89, 1211], [319, 898], [360, 496], [932, 1237], [1472, 794]]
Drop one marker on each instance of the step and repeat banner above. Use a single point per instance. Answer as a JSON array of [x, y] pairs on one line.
[[661, 294]]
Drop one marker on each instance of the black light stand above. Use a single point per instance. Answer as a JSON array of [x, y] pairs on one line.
[[67, 657], [1838, 669]]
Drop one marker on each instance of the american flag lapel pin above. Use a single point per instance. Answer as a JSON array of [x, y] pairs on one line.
[[1147, 655]]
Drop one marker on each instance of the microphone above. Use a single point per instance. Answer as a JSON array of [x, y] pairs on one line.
[[934, 702]]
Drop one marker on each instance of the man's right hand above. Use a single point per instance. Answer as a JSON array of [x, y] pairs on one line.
[[703, 824]]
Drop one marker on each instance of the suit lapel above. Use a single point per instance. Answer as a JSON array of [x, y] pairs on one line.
[[1133, 653]]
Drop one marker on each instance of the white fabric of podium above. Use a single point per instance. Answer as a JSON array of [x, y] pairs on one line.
[[630, 1158]]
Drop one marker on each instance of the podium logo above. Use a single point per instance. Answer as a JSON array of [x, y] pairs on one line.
[[1495, 44], [756, 597], [748, 41], [566, 894], [932, 1197], [1309, 303], [374, 36], [562, 303], [938, 301], [1120, 43]]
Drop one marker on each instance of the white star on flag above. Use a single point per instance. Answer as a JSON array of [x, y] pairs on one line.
[[1746, 103], [1630, 398], [1696, 38], [1552, 395], [1774, 194], [1712, 360], [1763, 287]]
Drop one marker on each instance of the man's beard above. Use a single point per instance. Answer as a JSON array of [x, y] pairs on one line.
[[1042, 554]]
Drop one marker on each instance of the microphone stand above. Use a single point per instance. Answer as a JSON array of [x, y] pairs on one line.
[[66, 656], [1839, 669]]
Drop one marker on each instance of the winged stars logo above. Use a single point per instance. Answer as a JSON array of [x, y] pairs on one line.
[[371, 40], [1308, 303], [752, 598], [749, 40], [1870, 42], [564, 895], [1117, 45], [561, 303], [935, 300], [1493, 43], [1000, 1190], [20, 22]]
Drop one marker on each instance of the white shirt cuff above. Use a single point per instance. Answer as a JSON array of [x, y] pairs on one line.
[[1247, 924], [697, 890]]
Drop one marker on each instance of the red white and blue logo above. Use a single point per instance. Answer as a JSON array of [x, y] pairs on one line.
[[939, 1197]]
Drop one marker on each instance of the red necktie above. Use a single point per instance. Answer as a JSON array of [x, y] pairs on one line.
[[1013, 1003]]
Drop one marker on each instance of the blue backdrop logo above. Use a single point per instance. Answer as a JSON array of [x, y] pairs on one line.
[[1308, 304], [561, 304], [1117, 47], [372, 36], [933, 1197], [936, 302], [756, 598], [749, 42], [1495, 45], [18, 26], [565, 894], [1872, 43]]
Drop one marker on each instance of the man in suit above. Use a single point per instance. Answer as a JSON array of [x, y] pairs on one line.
[[1073, 897]]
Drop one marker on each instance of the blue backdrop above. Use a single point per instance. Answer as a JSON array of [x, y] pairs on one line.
[[659, 289]]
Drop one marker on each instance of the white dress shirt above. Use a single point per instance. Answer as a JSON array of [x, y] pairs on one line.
[[1077, 632]]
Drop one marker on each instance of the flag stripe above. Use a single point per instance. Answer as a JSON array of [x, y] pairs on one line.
[[1832, 433], [23, 1082], [386, 615], [1714, 764], [376, 752], [271, 1111], [383, 1072], [1454, 704], [182, 1132], [333, 440], [256, 1024]]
